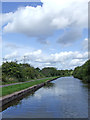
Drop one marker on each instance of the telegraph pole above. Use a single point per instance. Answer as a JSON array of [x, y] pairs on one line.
[[4, 59], [24, 59], [16, 60]]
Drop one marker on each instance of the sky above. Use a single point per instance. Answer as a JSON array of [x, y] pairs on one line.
[[49, 33]]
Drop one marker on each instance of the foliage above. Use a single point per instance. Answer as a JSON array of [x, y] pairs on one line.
[[13, 72], [82, 72], [65, 72], [50, 71]]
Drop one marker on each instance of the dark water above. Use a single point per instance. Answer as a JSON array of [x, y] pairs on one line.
[[66, 97]]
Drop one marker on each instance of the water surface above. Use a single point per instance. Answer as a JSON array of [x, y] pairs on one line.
[[66, 97]]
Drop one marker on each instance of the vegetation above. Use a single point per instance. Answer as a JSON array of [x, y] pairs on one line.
[[82, 72], [63, 73], [13, 72], [14, 88], [50, 71]]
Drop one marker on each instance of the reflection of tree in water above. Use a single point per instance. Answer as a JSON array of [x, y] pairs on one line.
[[29, 95], [86, 86], [89, 87], [49, 85], [18, 101]]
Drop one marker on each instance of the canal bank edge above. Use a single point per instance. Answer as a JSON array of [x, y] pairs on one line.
[[8, 98]]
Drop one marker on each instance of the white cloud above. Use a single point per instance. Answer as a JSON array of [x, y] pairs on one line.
[[76, 62], [34, 56], [62, 60], [85, 44], [0, 41], [35, 53], [41, 22], [12, 55]]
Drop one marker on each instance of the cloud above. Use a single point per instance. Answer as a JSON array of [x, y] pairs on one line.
[[61, 60], [11, 46], [42, 22], [12, 55], [70, 36], [76, 62], [34, 56], [85, 44], [43, 40], [0, 41]]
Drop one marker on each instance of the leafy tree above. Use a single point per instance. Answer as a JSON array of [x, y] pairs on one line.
[[11, 71], [82, 72]]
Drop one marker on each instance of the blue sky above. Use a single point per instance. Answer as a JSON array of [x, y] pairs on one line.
[[48, 35], [12, 6]]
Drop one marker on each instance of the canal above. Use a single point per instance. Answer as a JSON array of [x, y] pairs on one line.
[[66, 97]]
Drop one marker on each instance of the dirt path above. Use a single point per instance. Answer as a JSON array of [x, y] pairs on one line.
[[20, 82]]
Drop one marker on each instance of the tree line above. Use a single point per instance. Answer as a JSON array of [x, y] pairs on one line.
[[83, 72], [18, 72]]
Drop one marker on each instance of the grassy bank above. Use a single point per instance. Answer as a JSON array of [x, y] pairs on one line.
[[14, 88], [28, 80]]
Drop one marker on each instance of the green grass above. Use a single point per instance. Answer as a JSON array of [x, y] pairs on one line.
[[14, 81], [11, 82], [14, 88], [5, 83]]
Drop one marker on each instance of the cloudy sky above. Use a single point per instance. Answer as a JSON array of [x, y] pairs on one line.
[[49, 33]]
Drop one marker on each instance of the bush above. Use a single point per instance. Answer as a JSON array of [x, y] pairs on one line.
[[82, 72], [11, 71]]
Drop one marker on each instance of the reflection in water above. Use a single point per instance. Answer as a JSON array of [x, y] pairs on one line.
[[89, 86], [65, 97], [17, 101], [49, 85], [86, 85]]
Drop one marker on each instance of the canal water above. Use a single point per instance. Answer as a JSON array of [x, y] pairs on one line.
[[66, 97]]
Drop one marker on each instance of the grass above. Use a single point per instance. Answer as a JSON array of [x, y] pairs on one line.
[[11, 82], [5, 83], [14, 81], [14, 88]]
